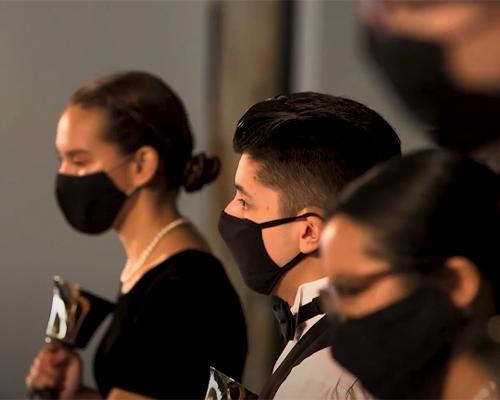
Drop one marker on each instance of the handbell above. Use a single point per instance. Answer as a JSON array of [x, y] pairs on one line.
[[75, 314], [74, 317]]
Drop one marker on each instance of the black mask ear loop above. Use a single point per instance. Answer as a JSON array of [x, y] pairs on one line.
[[299, 257], [129, 193], [284, 221]]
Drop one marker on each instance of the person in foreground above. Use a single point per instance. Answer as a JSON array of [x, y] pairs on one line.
[[126, 150], [412, 252], [297, 152]]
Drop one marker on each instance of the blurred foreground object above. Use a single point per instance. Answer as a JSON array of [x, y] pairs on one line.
[[75, 314], [443, 60]]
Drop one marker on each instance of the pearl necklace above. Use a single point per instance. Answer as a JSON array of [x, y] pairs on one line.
[[131, 268]]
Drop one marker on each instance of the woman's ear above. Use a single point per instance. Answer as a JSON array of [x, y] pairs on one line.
[[311, 230], [464, 286], [145, 165]]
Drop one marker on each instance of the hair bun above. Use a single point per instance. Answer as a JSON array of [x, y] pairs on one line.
[[199, 171]]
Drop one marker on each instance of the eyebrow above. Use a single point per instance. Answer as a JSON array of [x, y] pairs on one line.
[[242, 190], [72, 153]]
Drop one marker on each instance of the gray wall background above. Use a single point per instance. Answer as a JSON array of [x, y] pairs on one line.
[[47, 50]]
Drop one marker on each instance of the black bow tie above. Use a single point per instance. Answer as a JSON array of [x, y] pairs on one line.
[[288, 322]]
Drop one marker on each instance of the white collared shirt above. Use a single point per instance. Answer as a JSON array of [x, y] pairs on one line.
[[318, 376]]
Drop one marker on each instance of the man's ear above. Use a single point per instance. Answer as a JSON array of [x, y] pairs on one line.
[[144, 166], [311, 229], [464, 285]]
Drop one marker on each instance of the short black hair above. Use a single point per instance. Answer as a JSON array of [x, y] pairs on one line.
[[310, 145]]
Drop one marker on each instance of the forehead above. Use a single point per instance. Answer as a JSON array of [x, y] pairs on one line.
[[247, 170], [345, 245], [80, 128], [342, 233], [247, 177]]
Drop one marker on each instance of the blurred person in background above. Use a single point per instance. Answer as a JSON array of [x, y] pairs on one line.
[[126, 150], [443, 59], [411, 249]]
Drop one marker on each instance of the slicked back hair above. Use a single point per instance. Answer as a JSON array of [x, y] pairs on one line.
[[310, 145]]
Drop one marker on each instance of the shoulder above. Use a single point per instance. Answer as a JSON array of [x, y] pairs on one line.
[[184, 267], [184, 276], [324, 368], [188, 262], [194, 261], [322, 375]]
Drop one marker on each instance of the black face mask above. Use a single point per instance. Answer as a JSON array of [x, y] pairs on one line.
[[90, 202], [244, 239], [400, 351], [459, 120]]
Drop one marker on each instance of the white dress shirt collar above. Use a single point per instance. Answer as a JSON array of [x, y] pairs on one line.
[[305, 294]]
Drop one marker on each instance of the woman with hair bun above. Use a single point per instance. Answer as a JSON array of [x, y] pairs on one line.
[[126, 150]]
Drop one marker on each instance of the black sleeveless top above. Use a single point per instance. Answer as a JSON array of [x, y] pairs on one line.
[[180, 318]]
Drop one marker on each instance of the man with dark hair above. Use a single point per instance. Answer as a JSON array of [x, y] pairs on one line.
[[297, 152]]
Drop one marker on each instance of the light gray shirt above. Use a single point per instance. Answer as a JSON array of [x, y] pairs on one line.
[[318, 376]]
